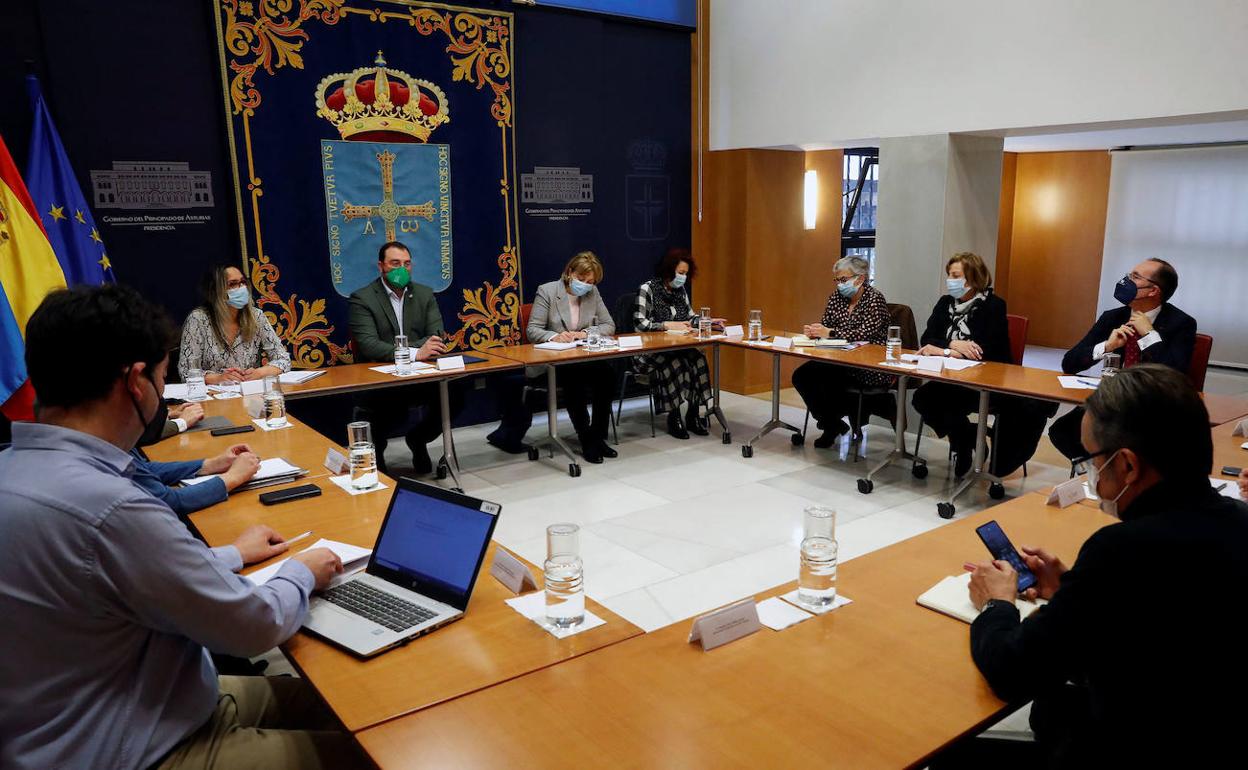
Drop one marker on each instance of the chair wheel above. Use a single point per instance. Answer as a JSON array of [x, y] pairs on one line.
[[919, 470], [574, 470], [727, 437], [996, 491], [798, 439], [747, 450], [534, 453], [865, 486], [946, 510]]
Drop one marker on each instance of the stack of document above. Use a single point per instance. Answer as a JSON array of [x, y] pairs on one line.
[[272, 471], [353, 558], [952, 597], [552, 345], [417, 367], [1078, 383], [300, 377], [802, 341]]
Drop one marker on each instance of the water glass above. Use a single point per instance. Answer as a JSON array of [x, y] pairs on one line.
[[892, 348], [362, 454], [196, 388], [816, 581], [402, 356], [274, 403], [565, 576], [1110, 364], [756, 325], [593, 338]]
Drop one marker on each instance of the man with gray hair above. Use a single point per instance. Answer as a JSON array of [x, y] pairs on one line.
[[1131, 661]]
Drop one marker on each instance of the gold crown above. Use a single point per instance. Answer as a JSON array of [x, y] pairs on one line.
[[379, 103]]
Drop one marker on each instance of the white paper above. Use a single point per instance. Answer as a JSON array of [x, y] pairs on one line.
[[840, 601], [555, 345], [724, 625], [264, 425], [952, 597], [777, 614], [301, 376], [1226, 487], [511, 572], [734, 331], [353, 559], [336, 462], [270, 468], [630, 342], [251, 387], [911, 357], [343, 482], [931, 363], [177, 390], [533, 607], [450, 362], [417, 368], [226, 387], [1069, 492], [227, 394], [1241, 430], [782, 343], [899, 365], [1077, 383], [958, 364]]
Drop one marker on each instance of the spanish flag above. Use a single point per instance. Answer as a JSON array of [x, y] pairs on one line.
[[28, 271]]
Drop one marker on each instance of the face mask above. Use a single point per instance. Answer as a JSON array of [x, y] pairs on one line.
[[155, 427], [955, 287], [398, 277], [580, 288], [678, 281], [1125, 290], [238, 297], [1094, 480], [847, 289]]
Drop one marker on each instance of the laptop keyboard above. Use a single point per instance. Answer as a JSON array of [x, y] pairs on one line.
[[378, 606]]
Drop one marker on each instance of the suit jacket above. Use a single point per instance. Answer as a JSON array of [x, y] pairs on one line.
[[1178, 338], [987, 324], [374, 325], [552, 313], [1143, 623]]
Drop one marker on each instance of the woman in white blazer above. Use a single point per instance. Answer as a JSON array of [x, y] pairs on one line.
[[563, 311]]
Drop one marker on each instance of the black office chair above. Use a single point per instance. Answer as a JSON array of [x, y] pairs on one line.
[[625, 306]]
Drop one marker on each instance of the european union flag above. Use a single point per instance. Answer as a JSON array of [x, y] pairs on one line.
[[62, 207]]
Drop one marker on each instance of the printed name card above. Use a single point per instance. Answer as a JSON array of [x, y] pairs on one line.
[[252, 387], [630, 342], [931, 363], [726, 624], [782, 343], [336, 462], [511, 572], [1068, 492], [1241, 429], [734, 331], [450, 362]]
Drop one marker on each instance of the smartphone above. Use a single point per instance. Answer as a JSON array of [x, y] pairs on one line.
[[1231, 470], [1001, 548], [291, 493], [232, 430]]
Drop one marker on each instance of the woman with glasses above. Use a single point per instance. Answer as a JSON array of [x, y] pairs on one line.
[[227, 337]]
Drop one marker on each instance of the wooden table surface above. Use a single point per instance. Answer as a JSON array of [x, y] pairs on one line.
[[652, 342], [354, 377], [491, 644], [881, 682], [1228, 449], [1224, 409]]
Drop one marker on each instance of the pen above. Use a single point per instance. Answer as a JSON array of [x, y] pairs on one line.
[[297, 538], [1220, 487], [1092, 383]]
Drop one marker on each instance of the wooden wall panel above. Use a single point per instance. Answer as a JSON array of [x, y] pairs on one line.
[[1005, 224], [1056, 243]]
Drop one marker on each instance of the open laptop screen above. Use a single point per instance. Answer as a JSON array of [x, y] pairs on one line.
[[433, 541]]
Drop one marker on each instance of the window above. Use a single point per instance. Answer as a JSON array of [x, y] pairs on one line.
[[860, 193]]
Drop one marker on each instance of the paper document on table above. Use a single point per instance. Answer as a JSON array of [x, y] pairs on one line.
[[353, 559], [1226, 488], [271, 468], [299, 377], [555, 345], [418, 367], [958, 364], [533, 607], [176, 390], [952, 597], [1078, 383], [777, 614]]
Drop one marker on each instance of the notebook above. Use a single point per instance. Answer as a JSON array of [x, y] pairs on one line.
[[952, 597]]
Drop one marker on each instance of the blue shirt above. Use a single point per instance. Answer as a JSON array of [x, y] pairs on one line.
[[112, 603], [155, 477]]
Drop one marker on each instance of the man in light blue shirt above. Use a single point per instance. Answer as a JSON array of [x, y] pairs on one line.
[[113, 605]]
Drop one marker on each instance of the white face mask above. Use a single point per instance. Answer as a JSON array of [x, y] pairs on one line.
[[1094, 480]]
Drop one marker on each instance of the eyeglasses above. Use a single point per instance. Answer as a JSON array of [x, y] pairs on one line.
[[1134, 276], [1086, 458], [235, 284]]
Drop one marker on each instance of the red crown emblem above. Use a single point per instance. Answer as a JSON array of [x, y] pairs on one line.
[[381, 104]]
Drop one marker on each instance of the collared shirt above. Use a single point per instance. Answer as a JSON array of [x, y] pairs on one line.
[[157, 478], [1148, 340], [116, 602], [396, 302]]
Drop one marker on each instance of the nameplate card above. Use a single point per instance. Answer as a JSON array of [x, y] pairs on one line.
[[931, 364], [511, 572], [252, 387], [450, 362], [629, 342], [335, 461], [1241, 429], [726, 624], [782, 343], [1068, 492], [734, 331]]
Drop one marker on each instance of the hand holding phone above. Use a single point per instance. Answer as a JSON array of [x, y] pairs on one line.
[[1001, 548]]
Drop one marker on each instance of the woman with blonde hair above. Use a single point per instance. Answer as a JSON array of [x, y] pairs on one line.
[[227, 337]]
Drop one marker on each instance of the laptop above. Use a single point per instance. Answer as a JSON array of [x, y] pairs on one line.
[[419, 577]]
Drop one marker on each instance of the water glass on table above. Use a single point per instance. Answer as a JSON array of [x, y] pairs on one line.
[[703, 322], [362, 454], [274, 403], [756, 326], [564, 576], [892, 348], [593, 338], [402, 356], [816, 581], [196, 388], [1110, 364]]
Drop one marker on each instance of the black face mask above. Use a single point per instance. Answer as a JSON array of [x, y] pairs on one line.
[[155, 427], [1125, 290]]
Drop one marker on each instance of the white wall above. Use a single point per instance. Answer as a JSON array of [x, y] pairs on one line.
[[810, 72]]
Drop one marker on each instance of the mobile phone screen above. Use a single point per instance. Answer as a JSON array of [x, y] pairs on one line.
[[1001, 548]]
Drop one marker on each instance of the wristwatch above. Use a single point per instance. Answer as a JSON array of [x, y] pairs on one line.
[[947, 352], [994, 602]]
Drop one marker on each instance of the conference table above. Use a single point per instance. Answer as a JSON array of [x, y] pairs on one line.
[[491, 644]]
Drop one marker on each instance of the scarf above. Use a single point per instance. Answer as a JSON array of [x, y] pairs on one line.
[[960, 316]]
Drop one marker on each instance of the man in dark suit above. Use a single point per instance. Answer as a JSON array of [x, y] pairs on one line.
[[378, 311], [1147, 329]]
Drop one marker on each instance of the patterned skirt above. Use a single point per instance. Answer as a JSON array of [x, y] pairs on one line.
[[679, 376]]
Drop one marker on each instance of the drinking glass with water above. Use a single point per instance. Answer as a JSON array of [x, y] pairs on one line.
[[274, 403], [1110, 364], [363, 456], [565, 576], [402, 356], [196, 388], [704, 323], [816, 581], [593, 338], [892, 348], [756, 325]]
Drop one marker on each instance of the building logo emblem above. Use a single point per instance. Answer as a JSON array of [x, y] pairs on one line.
[[151, 185], [647, 192]]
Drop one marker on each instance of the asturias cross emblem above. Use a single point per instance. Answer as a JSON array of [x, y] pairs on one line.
[[388, 210]]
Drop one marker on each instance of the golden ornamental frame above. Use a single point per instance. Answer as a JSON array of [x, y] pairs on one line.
[[480, 48]]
